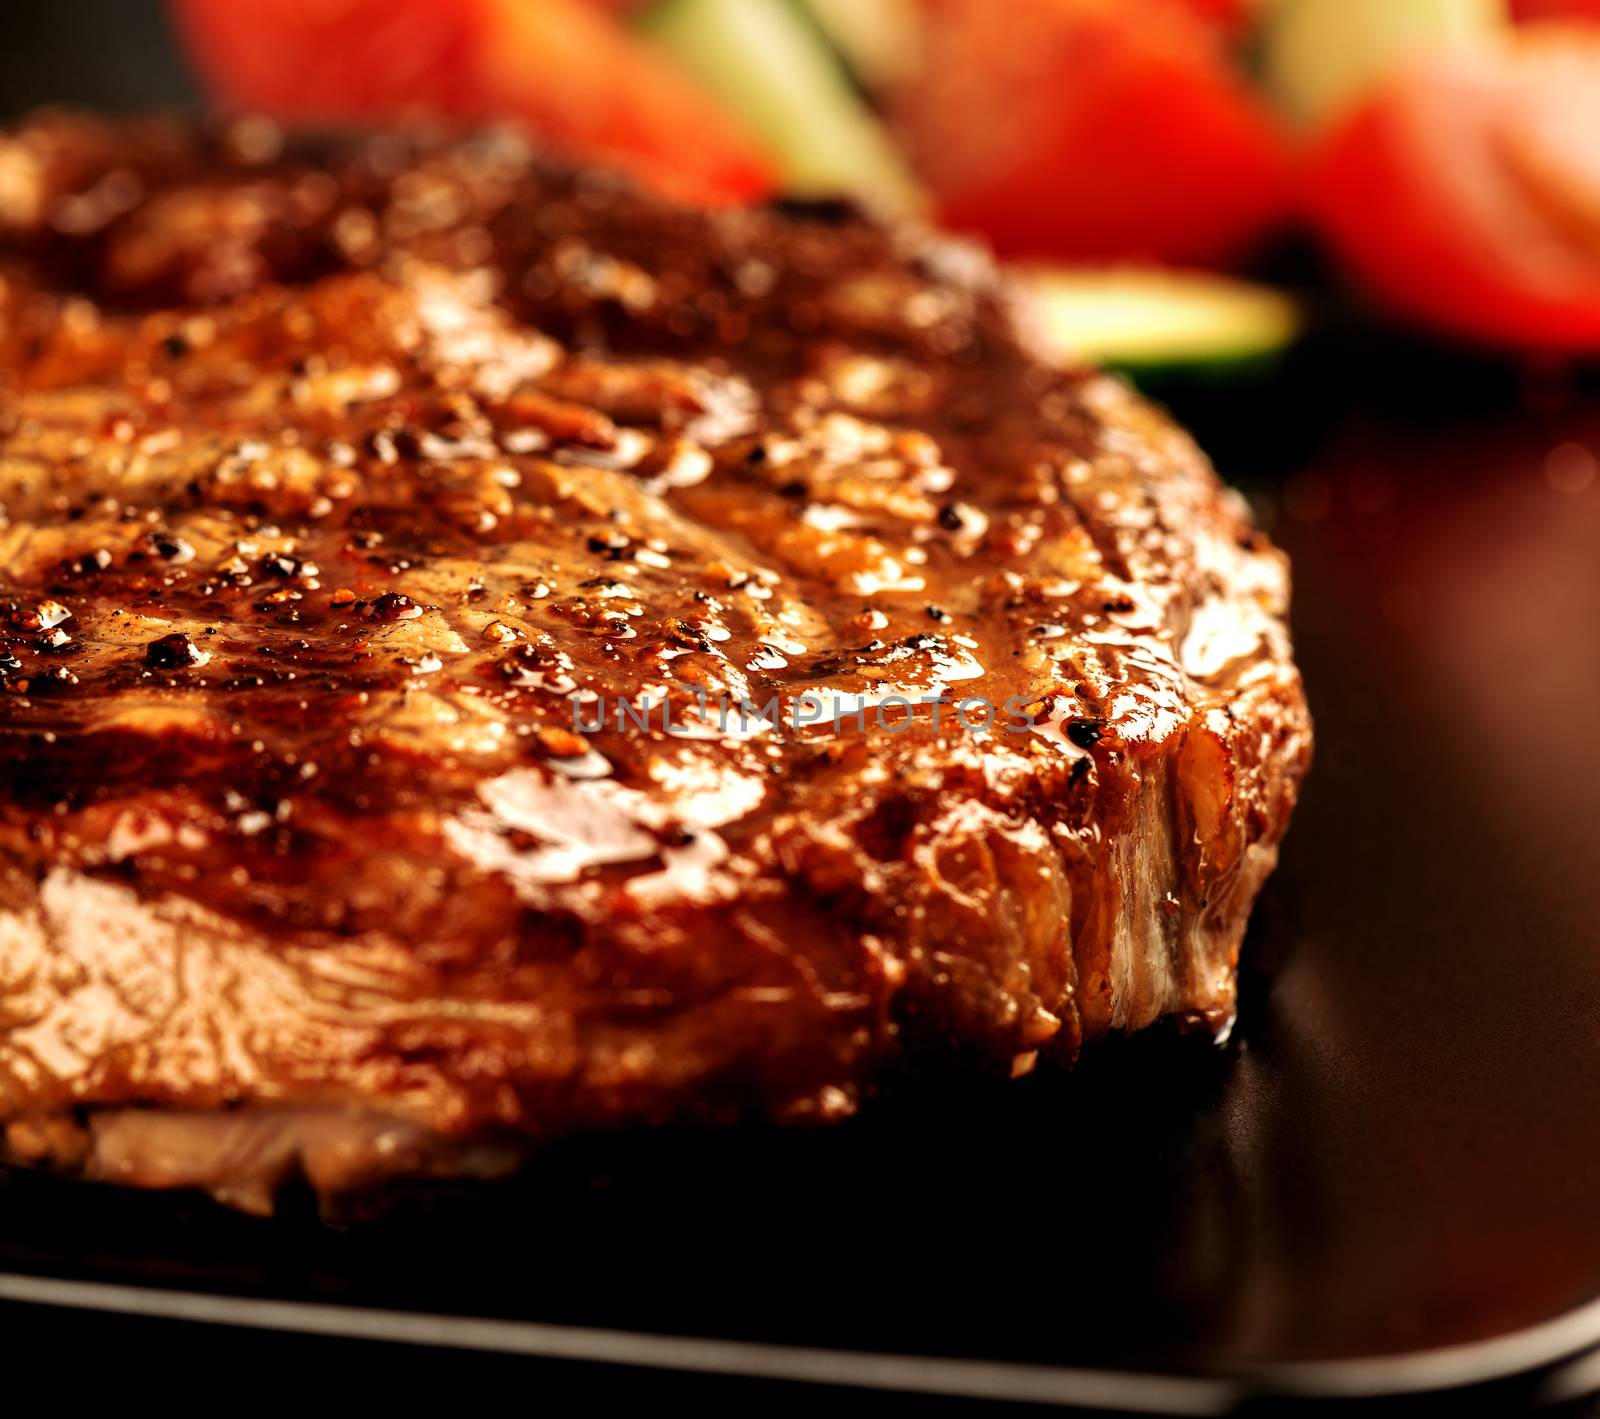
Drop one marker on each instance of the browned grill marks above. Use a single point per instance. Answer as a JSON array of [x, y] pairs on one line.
[[342, 486]]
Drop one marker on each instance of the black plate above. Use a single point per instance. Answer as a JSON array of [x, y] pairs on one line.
[[1399, 1152]]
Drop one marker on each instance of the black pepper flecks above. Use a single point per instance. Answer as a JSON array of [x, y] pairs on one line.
[[174, 652], [1085, 733], [613, 546], [394, 606]]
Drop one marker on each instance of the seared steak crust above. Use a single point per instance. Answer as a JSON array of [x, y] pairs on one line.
[[340, 486]]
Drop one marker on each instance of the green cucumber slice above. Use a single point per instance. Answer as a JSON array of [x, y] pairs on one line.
[[769, 63], [1148, 321], [1321, 55]]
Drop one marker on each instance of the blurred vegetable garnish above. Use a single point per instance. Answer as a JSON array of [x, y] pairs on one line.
[[567, 68], [1094, 129], [1524, 10], [769, 62], [1151, 323], [1323, 54], [1465, 191], [1446, 152]]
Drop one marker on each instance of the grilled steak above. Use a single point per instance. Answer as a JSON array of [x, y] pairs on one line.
[[486, 654]]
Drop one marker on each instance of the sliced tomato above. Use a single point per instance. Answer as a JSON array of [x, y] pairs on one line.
[[1465, 192], [1234, 16], [590, 85], [564, 67], [329, 59], [1094, 129], [1525, 10]]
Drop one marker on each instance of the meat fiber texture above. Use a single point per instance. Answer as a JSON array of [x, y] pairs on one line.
[[486, 654]]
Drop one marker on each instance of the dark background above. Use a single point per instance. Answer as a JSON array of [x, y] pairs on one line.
[[110, 53]]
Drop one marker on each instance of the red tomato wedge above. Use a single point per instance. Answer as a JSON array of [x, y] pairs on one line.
[[1094, 129], [1525, 10], [563, 67], [1465, 193], [1234, 16]]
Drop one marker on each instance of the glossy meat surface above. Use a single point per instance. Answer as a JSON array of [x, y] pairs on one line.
[[345, 489]]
